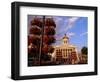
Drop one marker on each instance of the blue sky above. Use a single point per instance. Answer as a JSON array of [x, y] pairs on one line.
[[76, 28]]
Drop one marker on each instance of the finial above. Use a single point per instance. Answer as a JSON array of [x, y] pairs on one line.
[[65, 36]]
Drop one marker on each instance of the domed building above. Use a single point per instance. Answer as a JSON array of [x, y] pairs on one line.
[[66, 53]]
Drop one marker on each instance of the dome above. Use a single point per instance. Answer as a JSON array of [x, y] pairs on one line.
[[65, 37]]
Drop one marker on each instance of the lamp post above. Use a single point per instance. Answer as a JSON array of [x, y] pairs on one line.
[[41, 41]]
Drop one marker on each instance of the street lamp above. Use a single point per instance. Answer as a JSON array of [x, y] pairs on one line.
[[41, 41]]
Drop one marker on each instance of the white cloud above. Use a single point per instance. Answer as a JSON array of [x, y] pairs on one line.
[[84, 33], [71, 22], [70, 34], [57, 19], [73, 19]]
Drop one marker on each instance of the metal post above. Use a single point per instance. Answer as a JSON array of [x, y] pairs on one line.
[[41, 41]]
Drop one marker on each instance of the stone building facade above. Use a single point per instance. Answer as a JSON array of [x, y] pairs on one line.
[[66, 53]]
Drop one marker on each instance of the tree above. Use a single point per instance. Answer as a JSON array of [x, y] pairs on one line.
[[84, 50], [49, 31], [48, 39], [50, 22], [34, 39], [35, 30], [36, 21]]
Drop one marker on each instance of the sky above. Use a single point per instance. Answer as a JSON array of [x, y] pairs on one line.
[[76, 28]]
